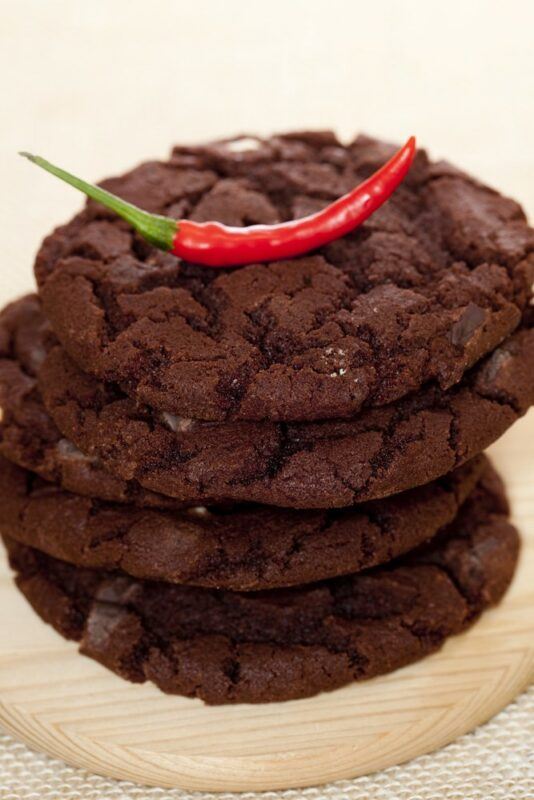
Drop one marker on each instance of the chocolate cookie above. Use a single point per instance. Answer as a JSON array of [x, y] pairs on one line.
[[245, 548], [324, 464], [28, 436], [226, 647], [435, 280]]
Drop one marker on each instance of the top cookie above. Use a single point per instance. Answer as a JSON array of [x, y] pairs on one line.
[[435, 279]]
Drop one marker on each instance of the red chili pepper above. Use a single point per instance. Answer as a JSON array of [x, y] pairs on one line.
[[215, 245]]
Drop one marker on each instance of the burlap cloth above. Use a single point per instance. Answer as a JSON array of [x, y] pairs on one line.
[[495, 762]]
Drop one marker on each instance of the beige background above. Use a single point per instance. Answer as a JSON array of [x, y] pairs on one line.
[[99, 85]]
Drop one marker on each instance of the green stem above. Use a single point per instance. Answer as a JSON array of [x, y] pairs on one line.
[[157, 230]]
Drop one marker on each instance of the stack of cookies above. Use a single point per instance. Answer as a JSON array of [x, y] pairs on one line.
[[260, 483]]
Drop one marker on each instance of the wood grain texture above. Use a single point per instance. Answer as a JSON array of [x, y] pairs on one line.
[[68, 706]]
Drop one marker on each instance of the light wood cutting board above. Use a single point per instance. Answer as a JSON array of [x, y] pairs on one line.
[[68, 706]]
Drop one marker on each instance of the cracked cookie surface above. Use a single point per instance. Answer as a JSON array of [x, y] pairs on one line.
[[242, 548], [28, 436], [324, 464], [227, 647], [110, 447], [433, 281]]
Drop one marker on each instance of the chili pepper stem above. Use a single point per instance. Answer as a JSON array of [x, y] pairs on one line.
[[157, 230]]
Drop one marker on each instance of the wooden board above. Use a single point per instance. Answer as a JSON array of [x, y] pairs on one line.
[[68, 706]]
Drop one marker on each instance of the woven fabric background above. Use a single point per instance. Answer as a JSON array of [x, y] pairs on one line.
[[495, 762]]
